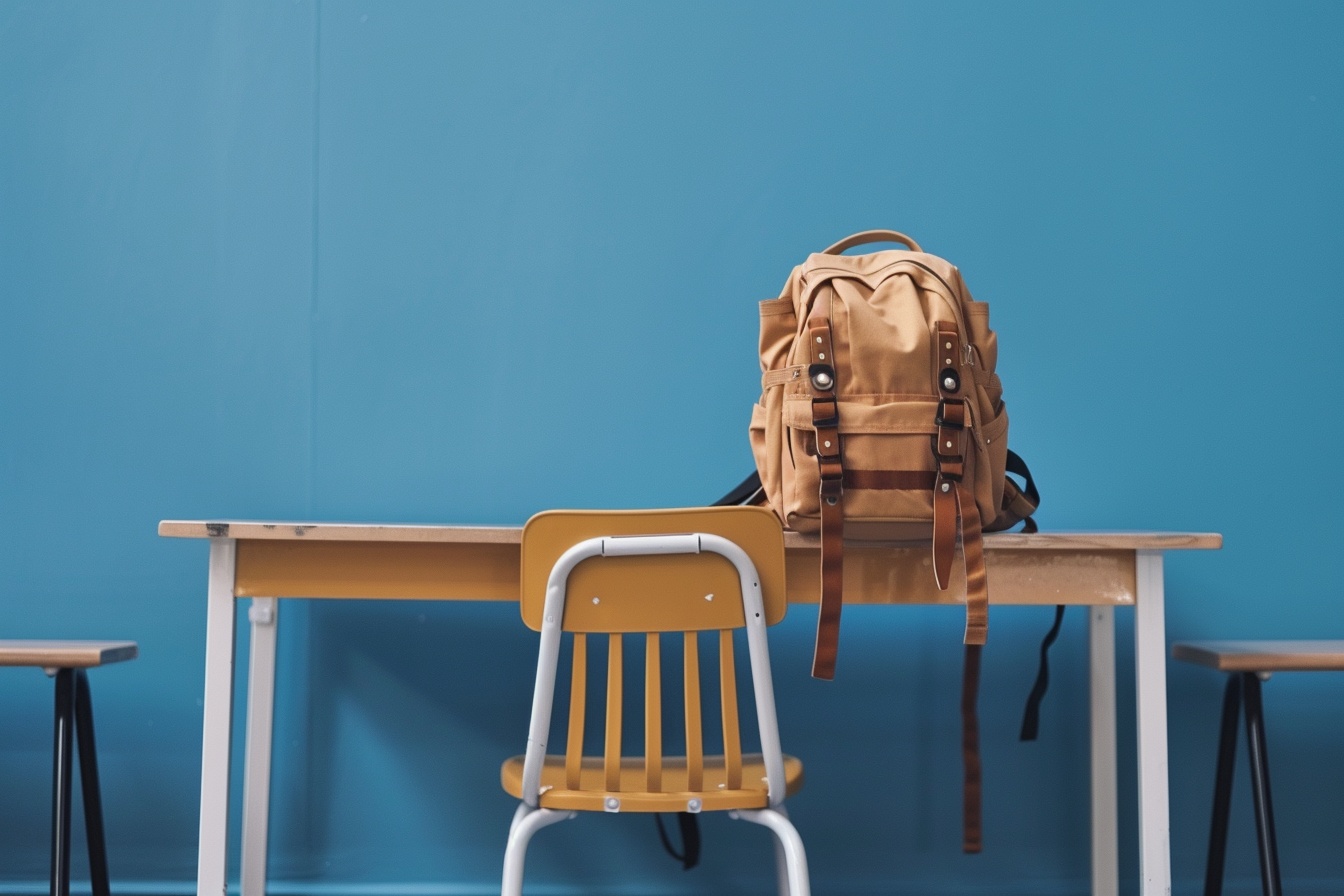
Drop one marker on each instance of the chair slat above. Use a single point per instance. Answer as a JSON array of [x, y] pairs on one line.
[[578, 700], [732, 739], [612, 761], [653, 714], [695, 745]]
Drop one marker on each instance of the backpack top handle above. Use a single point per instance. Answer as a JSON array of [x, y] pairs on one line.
[[872, 236]]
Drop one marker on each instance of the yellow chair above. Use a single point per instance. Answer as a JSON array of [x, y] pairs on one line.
[[654, 573]]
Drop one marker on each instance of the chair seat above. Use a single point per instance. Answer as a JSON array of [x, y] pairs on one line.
[[592, 793]]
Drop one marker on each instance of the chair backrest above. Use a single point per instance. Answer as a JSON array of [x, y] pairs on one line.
[[623, 573]]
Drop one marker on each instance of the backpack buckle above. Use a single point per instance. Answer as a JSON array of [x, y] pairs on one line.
[[832, 485], [957, 420], [825, 413], [949, 443]]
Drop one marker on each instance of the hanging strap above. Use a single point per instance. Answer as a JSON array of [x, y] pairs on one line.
[[977, 580], [826, 422], [1031, 716], [689, 826], [977, 627], [971, 818]]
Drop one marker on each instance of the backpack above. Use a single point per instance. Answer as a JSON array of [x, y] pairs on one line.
[[881, 418]]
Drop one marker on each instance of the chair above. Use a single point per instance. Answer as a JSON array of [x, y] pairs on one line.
[[1250, 662], [68, 661], [627, 575]]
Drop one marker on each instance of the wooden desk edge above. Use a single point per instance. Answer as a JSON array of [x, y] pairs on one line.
[[290, 531], [282, 531]]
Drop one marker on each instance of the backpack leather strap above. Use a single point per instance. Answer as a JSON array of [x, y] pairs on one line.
[[973, 552], [826, 422], [971, 818], [949, 451]]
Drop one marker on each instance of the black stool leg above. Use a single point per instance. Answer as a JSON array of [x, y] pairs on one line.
[[1222, 787], [1264, 807], [60, 794], [88, 777]]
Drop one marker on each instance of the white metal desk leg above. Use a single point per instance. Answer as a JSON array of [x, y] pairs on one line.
[[1105, 807], [264, 616], [1150, 670], [218, 723]]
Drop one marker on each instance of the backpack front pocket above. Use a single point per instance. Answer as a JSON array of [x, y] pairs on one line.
[[886, 453]]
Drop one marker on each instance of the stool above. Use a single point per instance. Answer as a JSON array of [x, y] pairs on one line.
[[67, 662], [1250, 662]]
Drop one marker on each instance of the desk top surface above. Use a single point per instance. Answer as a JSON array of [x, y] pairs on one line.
[[394, 532]]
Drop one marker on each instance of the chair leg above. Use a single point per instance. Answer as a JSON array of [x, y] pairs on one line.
[[788, 839], [781, 861], [92, 792], [1222, 787], [525, 824], [518, 815], [1264, 807], [781, 868], [61, 774]]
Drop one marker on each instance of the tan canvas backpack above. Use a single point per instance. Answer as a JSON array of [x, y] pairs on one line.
[[881, 417]]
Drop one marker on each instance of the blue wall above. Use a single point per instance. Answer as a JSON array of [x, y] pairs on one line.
[[451, 262]]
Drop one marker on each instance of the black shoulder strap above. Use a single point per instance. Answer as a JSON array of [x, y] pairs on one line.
[[1018, 466], [690, 839], [1031, 717], [748, 491]]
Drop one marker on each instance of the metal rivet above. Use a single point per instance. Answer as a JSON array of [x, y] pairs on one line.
[[822, 380], [818, 339], [949, 384], [597, 600], [949, 445], [947, 345], [821, 356], [827, 443], [947, 487]]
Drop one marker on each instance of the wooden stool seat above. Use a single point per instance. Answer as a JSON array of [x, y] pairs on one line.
[[68, 662], [1248, 662], [1263, 656], [65, 654]]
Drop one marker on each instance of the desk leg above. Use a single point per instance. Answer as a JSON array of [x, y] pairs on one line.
[[218, 724], [1150, 668], [1105, 806], [264, 616]]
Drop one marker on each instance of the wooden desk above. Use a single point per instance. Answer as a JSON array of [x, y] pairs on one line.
[[265, 561]]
